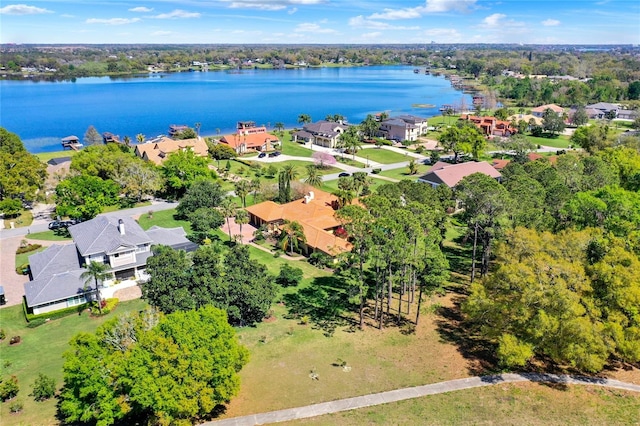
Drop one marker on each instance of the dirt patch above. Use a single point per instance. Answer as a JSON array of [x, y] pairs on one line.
[[129, 293]]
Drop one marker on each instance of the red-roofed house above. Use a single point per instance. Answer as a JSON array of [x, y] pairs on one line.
[[249, 137], [315, 213], [491, 126], [451, 174]]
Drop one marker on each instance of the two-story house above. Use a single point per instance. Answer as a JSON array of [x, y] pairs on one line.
[[119, 243], [323, 133], [403, 128]]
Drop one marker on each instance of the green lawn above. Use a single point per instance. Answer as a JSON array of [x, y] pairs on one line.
[[403, 172], [48, 236], [41, 352], [163, 219], [108, 209], [294, 148], [24, 219], [46, 156], [524, 404], [382, 155], [332, 185], [561, 141]]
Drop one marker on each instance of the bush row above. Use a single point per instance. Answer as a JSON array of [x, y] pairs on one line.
[[28, 248]]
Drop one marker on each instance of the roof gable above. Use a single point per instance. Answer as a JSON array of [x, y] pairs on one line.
[[101, 235]]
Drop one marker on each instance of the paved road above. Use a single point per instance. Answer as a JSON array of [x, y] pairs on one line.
[[415, 392]]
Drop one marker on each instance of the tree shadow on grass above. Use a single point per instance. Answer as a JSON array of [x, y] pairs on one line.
[[458, 253], [325, 303], [453, 329]]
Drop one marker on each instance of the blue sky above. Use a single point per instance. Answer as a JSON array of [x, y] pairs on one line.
[[321, 21]]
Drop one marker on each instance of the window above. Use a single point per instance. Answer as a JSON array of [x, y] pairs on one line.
[[77, 300]]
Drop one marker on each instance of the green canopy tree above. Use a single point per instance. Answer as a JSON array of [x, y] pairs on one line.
[[202, 193], [228, 209], [171, 369], [84, 196], [182, 169], [22, 174]]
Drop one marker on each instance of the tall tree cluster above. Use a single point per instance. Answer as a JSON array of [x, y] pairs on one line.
[[21, 173], [396, 255], [152, 368], [229, 280]]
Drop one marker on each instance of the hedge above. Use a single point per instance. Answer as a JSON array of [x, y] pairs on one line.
[[28, 248], [109, 305], [55, 314]]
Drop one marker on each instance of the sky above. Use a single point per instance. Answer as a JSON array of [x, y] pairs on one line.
[[320, 21]]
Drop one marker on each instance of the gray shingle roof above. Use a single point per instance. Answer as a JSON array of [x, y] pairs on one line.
[[101, 235], [55, 287], [325, 128], [54, 260]]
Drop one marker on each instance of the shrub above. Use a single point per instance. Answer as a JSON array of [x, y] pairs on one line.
[[43, 388], [376, 171], [55, 314], [27, 248], [36, 322], [9, 388], [289, 276], [15, 340], [16, 407], [22, 269], [108, 305], [3, 334], [320, 259]]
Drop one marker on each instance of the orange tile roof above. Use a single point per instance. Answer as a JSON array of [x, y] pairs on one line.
[[252, 140], [316, 217], [499, 164], [158, 150]]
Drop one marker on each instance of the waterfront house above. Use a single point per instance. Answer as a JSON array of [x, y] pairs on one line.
[[323, 133], [605, 109], [403, 128], [157, 150], [120, 243], [451, 174], [249, 137], [176, 129], [315, 212]]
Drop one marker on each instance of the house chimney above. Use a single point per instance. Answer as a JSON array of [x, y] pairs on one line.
[[121, 226]]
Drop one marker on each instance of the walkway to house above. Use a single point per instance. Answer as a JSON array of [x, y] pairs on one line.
[[247, 230], [416, 392]]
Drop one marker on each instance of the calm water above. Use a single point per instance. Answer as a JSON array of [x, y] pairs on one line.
[[42, 113]]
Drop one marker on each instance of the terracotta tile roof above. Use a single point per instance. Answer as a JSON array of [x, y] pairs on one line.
[[159, 149], [252, 140], [451, 174], [315, 216], [500, 164], [555, 108]]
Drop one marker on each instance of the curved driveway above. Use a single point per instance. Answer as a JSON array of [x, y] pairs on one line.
[[416, 392]]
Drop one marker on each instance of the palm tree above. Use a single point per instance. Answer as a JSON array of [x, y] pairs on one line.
[[242, 188], [370, 126], [127, 141], [96, 272], [304, 119], [345, 197], [314, 178], [197, 126], [242, 218], [350, 140], [140, 138], [228, 210], [289, 173], [292, 234], [255, 186], [279, 126]]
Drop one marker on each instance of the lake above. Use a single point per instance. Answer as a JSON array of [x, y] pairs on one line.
[[43, 112]]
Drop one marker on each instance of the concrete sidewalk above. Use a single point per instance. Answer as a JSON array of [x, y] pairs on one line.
[[415, 392]]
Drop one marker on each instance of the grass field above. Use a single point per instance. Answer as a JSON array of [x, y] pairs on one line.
[[294, 148], [403, 172], [40, 351], [332, 185], [46, 156], [47, 236], [562, 141], [24, 219], [381, 155], [164, 219], [509, 404]]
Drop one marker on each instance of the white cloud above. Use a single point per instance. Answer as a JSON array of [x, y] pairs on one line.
[[493, 21], [141, 9], [309, 27], [361, 21], [177, 14], [438, 6], [550, 22], [431, 6], [112, 21], [255, 5], [392, 14], [270, 4], [22, 9], [292, 11], [161, 33], [444, 33]]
